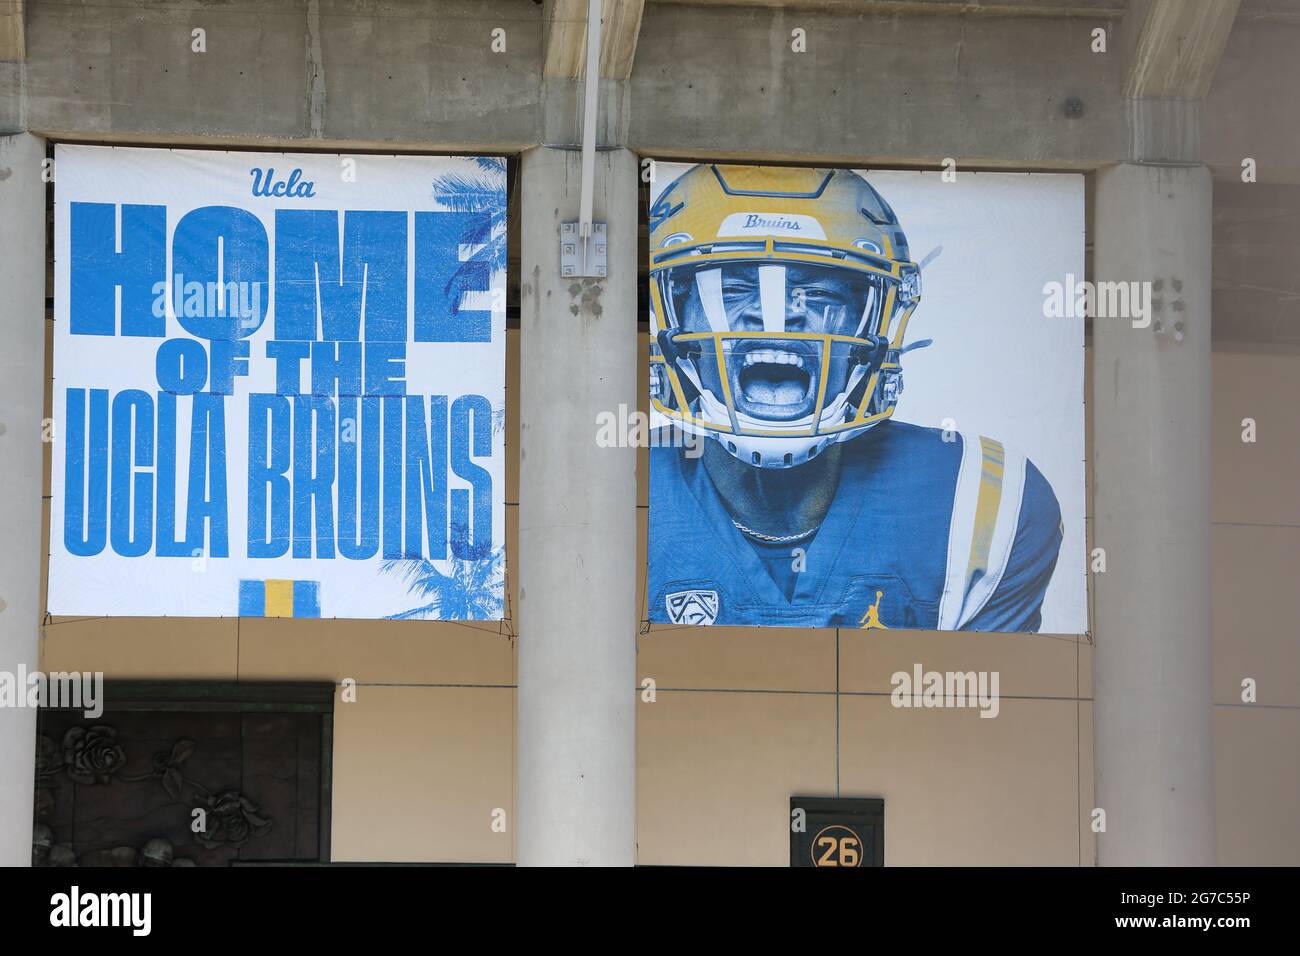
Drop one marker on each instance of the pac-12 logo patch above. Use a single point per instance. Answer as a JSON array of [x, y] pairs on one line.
[[692, 607]]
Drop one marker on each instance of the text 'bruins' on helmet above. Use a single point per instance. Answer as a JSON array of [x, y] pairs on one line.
[[779, 300]]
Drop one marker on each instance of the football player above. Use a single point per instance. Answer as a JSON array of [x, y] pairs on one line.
[[780, 299]]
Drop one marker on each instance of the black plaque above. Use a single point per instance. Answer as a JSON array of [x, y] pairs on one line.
[[837, 831], [186, 773]]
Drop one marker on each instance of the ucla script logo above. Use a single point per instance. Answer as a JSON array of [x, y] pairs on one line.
[[295, 187]]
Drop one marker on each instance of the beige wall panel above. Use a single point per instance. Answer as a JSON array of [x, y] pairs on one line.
[[1256, 483], [418, 772], [1256, 604], [139, 648], [755, 658], [1030, 665], [1087, 800], [1085, 668], [715, 773], [1257, 786], [964, 790], [386, 652]]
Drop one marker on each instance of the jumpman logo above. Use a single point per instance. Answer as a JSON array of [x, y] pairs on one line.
[[872, 618]]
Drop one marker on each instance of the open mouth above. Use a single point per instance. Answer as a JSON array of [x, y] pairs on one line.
[[774, 382]]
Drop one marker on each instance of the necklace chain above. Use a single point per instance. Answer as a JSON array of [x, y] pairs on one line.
[[774, 538]]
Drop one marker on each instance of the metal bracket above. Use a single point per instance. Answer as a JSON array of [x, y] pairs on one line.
[[583, 256]]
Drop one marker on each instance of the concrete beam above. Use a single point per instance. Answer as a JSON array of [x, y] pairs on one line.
[[13, 46], [566, 38], [1179, 47], [1280, 12], [875, 89], [1097, 9], [709, 81], [404, 74]]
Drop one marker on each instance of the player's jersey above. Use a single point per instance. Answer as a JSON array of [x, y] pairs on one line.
[[922, 533]]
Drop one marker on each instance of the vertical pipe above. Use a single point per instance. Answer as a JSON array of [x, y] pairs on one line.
[[589, 112]]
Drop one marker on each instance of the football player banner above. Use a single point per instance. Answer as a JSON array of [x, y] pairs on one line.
[[278, 385], [788, 307]]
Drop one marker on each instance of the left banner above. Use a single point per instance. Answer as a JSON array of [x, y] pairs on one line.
[[279, 385]]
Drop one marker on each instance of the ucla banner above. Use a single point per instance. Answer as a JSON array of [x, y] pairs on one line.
[[279, 385], [794, 481]]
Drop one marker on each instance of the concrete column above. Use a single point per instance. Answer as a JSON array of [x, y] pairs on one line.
[[577, 560], [1151, 400], [22, 389]]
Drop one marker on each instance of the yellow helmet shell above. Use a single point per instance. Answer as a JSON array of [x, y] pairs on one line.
[[826, 208], [770, 215]]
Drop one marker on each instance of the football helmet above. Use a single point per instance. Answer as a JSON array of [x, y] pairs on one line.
[[779, 300]]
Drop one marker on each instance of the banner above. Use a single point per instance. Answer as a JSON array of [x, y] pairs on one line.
[[794, 481], [279, 385]]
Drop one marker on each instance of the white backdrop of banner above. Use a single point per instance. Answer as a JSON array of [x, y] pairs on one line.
[[999, 365], [278, 385]]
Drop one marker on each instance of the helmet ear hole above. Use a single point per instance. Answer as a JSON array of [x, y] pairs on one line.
[[659, 389]]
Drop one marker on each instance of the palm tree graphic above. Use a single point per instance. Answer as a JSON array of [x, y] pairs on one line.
[[472, 586], [482, 192], [471, 589]]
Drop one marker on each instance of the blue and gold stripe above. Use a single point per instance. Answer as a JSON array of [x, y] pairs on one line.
[[277, 597], [992, 468]]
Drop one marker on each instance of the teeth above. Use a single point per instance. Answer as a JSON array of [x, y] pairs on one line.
[[773, 356]]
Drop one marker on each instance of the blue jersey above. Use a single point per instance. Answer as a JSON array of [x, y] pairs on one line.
[[922, 533]]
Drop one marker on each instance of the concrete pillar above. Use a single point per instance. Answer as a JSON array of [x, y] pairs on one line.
[[22, 389], [577, 559], [1151, 401]]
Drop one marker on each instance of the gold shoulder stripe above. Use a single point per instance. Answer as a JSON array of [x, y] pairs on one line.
[[986, 507]]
